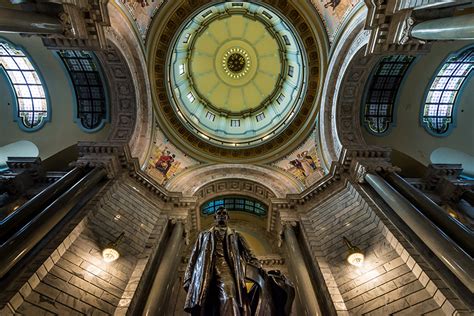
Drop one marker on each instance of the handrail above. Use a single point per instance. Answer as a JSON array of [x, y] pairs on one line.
[[455, 259], [17, 219], [17, 246], [454, 229]]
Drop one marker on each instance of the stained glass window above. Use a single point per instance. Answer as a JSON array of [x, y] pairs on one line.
[[441, 97], [235, 203], [379, 103], [88, 85], [32, 106]]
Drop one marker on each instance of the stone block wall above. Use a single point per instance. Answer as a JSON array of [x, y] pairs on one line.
[[394, 279], [75, 280]]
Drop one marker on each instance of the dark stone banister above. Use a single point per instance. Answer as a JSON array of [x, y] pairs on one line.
[[24, 213], [17, 246]]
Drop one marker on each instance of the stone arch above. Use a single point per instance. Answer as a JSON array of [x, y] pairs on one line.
[[132, 114], [339, 115], [278, 181], [250, 225]]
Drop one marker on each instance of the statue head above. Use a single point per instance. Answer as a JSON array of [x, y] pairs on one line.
[[221, 216]]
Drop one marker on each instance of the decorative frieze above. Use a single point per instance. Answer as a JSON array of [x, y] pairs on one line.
[[84, 24], [390, 23]]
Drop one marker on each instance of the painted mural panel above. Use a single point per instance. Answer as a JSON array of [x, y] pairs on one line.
[[304, 163], [333, 13], [142, 12], [165, 160]]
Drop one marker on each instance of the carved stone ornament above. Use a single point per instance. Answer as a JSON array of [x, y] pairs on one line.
[[407, 27]]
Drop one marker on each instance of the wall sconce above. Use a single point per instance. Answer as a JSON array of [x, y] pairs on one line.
[[355, 256], [110, 252]]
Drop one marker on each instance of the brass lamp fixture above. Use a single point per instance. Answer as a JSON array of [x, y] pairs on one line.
[[110, 252], [355, 256]]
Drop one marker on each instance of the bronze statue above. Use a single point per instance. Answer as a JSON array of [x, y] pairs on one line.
[[215, 277]]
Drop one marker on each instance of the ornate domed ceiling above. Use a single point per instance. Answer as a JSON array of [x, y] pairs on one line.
[[235, 80], [236, 75]]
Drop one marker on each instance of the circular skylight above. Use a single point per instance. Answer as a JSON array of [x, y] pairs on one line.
[[236, 74]]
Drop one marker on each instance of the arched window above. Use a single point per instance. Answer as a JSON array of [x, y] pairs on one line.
[[235, 203], [441, 97], [380, 100], [89, 88], [30, 96]]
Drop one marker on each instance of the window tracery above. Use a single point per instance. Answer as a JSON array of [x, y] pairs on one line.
[[88, 86], [382, 93], [438, 108], [235, 203], [31, 100]]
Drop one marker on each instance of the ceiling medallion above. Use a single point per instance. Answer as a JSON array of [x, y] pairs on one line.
[[236, 62]]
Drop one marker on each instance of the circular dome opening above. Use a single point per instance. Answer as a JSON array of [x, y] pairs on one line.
[[236, 62]]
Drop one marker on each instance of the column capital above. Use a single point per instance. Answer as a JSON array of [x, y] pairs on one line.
[[286, 220], [361, 167], [63, 24], [110, 156], [390, 23]]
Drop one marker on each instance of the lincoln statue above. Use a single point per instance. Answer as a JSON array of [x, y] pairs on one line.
[[219, 265]]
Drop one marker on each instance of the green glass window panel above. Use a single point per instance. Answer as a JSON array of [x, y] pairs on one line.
[[382, 92], [88, 85], [235, 204]]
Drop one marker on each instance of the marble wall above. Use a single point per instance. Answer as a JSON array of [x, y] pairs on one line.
[[75, 280], [394, 279]]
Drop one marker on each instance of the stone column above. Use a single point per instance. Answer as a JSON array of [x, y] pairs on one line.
[[455, 259], [20, 21], [303, 284], [454, 229], [451, 28], [466, 209], [164, 278], [469, 197]]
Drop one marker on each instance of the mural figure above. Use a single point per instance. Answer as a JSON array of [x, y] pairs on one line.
[[305, 163], [165, 161], [332, 3], [309, 159], [297, 164], [219, 265]]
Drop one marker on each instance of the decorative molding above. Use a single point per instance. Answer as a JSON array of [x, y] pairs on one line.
[[191, 180], [271, 260], [349, 94], [390, 23], [234, 186], [125, 39], [298, 129], [122, 94], [83, 23], [348, 44]]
